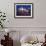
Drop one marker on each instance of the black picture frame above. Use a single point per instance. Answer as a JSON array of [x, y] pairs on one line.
[[23, 10]]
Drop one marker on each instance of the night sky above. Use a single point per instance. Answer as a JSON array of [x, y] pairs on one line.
[[24, 6]]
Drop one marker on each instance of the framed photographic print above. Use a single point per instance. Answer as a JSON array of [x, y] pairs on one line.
[[23, 10]]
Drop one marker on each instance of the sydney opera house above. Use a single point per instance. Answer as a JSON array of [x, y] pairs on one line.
[[23, 11]]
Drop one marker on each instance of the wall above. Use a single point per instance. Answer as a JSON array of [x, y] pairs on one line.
[[38, 23], [39, 13]]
